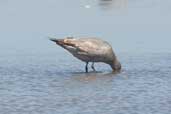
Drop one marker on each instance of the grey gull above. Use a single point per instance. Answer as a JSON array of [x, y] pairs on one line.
[[90, 50]]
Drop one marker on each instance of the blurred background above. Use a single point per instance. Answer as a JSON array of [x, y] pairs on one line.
[[129, 25]]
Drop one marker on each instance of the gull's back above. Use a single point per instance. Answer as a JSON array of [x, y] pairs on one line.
[[89, 49]]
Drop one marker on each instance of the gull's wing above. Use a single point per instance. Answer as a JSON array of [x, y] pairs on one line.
[[62, 42], [86, 46], [87, 49]]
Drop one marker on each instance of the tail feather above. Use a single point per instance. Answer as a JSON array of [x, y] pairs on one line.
[[53, 39], [57, 41], [62, 42]]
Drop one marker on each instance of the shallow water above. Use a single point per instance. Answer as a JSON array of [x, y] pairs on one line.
[[38, 77], [52, 84]]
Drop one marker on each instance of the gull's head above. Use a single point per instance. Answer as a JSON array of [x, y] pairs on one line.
[[115, 65]]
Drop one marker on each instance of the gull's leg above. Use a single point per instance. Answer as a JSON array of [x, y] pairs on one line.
[[92, 66], [86, 67]]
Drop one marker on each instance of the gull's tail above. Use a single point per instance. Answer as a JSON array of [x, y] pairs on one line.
[[52, 39], [62, 42], [57, 41]]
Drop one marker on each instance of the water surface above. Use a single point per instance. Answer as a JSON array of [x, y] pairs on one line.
[[48, 84]]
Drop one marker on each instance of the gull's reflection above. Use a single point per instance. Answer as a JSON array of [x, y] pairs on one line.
[[93, 76], [109, 4]]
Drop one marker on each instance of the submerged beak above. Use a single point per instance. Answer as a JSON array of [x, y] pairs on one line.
[[116, 66]]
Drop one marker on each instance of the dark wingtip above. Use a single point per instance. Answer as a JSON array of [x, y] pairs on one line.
[[57, 41], [53, 39]]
